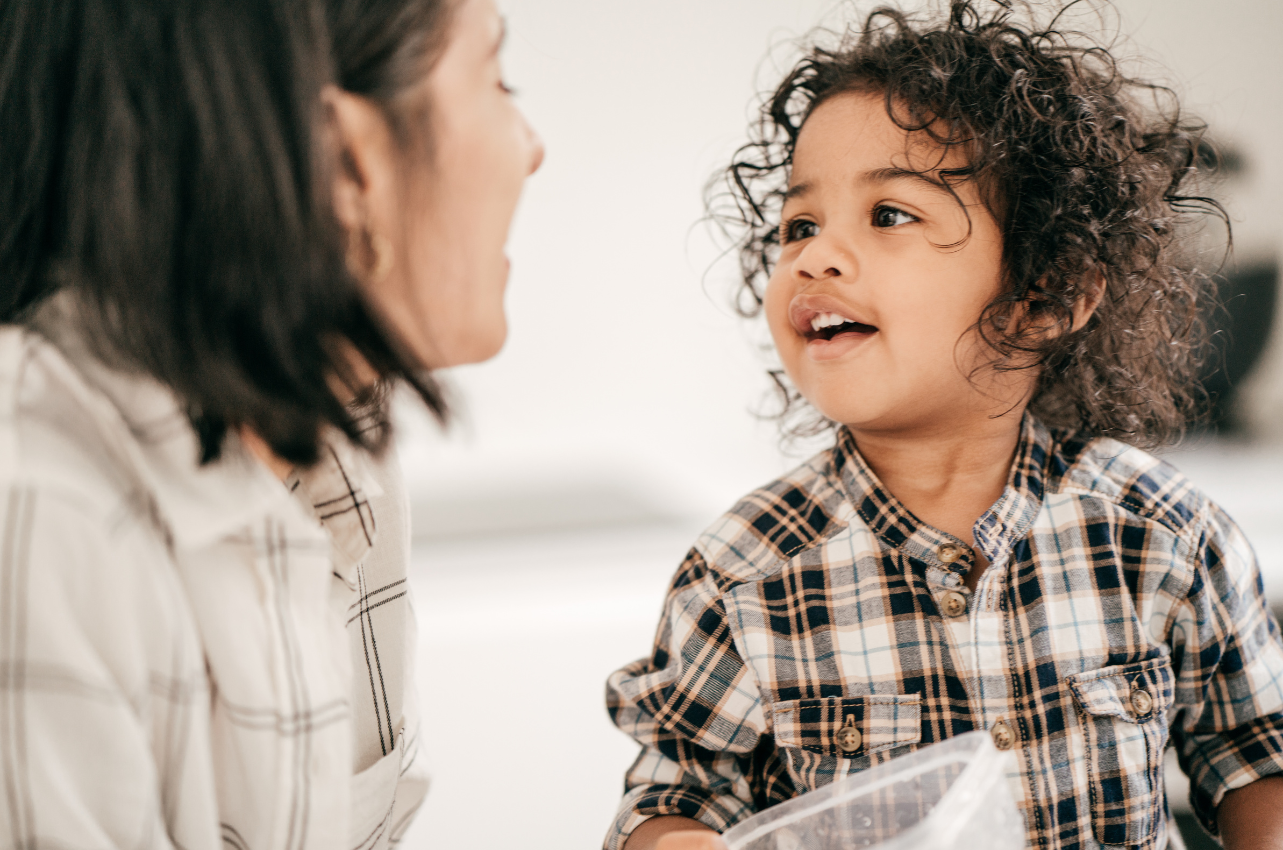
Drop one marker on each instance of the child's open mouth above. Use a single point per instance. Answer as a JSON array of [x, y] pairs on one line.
[[828, 326]]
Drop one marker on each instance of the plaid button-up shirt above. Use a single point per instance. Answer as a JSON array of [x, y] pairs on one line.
[[1121, 610], [191, 656]]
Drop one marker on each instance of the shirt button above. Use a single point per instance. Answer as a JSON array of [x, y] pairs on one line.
[[1142, 702], [1003, 737], [949, 553], [848, 737], [954, 604]]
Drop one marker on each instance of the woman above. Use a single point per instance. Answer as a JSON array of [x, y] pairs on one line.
[[229, 228]]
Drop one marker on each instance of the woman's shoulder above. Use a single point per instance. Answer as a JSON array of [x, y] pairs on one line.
[[120, 441], [86, 554], [59, 436]]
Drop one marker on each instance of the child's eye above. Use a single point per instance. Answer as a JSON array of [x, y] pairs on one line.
[[798, 228], [891, 217]]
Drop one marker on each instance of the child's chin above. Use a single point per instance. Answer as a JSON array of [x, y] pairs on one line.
[[843, 413]]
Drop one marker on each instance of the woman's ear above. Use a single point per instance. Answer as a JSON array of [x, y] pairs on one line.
[[1088, 301], [360, 145]]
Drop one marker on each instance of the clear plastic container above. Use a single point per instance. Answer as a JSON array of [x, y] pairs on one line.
[[948, 795]]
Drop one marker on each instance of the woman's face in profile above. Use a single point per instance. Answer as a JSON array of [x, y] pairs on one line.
[[444, 292]]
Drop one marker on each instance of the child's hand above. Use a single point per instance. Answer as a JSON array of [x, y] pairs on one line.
[[672, 832], [691, 839]]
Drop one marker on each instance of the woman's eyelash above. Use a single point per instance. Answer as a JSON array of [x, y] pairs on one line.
[[507, 89]]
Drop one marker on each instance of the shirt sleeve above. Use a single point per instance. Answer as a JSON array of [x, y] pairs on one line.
[[98, 688], [693, 707], [1228, 730]]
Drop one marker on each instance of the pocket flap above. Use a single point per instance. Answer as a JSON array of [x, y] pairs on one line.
[[1131, 692], [882, 721]]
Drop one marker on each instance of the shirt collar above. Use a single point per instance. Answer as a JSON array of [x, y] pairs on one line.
[[996, 529], [1011, 516], [142, 421], [338, 490]]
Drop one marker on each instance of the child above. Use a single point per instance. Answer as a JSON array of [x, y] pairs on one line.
[[972, 271]]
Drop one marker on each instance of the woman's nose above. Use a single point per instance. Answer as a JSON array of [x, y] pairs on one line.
[[536, 149]]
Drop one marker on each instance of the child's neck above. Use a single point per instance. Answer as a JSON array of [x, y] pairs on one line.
[[946, 477]]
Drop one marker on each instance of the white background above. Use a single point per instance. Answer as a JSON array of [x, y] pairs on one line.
[[617, 420]]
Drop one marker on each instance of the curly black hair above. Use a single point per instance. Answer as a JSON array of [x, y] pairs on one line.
[[1087, 172]]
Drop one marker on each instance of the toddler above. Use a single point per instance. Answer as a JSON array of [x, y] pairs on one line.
[[966, 236]]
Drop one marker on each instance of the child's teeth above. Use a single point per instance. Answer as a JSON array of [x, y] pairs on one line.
[[826, 320]]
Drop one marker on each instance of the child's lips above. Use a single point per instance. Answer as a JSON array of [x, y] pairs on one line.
[[830, 327], [820, 349], [804, 308]]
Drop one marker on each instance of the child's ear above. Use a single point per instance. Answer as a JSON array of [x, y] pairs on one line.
[[1088, 301]]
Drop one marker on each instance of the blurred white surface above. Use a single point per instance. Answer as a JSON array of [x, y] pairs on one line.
[[516, 641]]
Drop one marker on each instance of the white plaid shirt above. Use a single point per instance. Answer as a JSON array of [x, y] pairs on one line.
[[1122, 609], [191, 657]]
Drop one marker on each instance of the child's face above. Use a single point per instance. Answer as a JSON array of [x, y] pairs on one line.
[[861, 253]]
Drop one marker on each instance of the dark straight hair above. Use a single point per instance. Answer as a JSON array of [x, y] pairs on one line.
[[383, 49], [162, 161]]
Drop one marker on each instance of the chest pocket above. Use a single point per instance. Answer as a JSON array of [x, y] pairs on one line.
[[815, 735], [1124, 715]]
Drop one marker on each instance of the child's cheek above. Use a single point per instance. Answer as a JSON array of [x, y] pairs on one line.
[[949, 226], [776, 302]]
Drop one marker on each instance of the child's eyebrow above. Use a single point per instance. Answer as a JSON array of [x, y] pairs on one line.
[[892, 174], [797, 190], [877, 175]]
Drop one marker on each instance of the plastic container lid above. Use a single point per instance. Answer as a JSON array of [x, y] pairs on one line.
[[953, 794]]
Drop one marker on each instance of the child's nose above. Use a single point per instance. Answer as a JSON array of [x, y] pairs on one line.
[[831, 271], [824, 258]]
